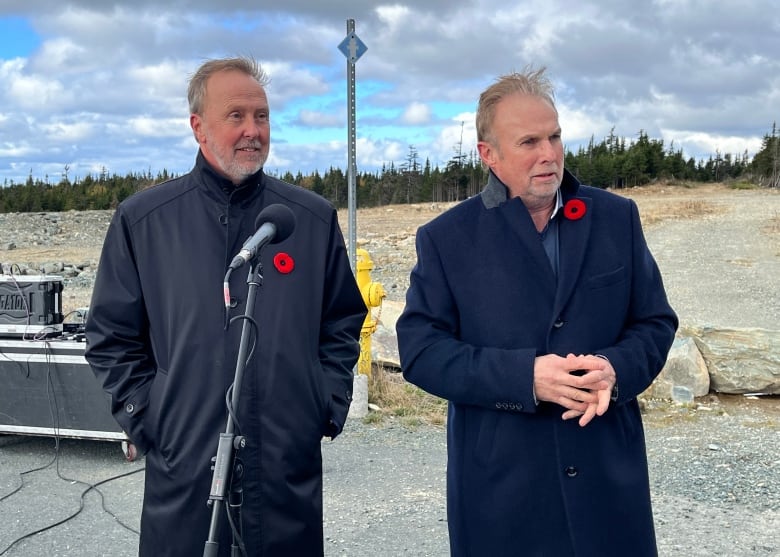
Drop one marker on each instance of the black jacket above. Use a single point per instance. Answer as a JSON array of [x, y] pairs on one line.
[[157, 341]]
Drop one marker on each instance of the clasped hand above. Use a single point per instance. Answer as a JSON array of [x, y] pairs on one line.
[[581, 384]]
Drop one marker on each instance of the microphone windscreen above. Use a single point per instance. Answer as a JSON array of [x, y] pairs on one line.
[[281, 217]]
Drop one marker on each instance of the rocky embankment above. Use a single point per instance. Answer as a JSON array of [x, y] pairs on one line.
[[718, 250], [66, 244]]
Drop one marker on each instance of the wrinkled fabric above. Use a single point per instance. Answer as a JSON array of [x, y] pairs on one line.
[[158, 342]]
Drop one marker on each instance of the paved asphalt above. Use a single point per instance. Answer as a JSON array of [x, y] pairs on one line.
[[715, 472], [384, 495]]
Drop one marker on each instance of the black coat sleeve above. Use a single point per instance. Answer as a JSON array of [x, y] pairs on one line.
[[117, 333], [343, 313]]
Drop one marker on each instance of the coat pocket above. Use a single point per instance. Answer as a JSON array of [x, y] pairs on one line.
[[153, 413], [606, 279]]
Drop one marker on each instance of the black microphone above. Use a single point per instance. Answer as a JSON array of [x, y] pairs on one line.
[[274, 224]]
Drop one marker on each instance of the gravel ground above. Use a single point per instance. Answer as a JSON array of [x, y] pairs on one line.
[[714, 466], [720, 258], [718, 249]]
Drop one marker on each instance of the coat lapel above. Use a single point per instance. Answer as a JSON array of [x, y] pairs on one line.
[[573, 238], [519, 221], [573, 242]]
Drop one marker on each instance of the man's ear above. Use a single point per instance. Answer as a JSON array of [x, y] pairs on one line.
[[486, 152], [196, 123]]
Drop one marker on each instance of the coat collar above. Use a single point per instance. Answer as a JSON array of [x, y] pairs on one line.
[[223, 190], [496, 193], [574, 235]]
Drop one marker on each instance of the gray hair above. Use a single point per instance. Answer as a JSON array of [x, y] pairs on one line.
[[197, 88], [530, 81]]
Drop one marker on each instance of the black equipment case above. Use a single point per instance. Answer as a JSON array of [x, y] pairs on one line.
[[47, 388]]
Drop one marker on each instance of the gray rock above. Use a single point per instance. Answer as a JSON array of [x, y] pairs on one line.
[[741, 360], [684, 367], [384, 342], [53, 267], [359, 407]]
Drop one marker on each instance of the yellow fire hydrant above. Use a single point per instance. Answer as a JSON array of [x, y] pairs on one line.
[[372, 293]]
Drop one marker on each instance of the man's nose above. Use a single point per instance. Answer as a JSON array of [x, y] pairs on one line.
[[253, 127], [547, 150]]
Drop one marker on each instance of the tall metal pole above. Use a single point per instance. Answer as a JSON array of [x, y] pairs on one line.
[[351, 148]]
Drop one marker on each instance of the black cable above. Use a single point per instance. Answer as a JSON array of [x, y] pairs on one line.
[[256, 329], [54, 412], [21, 479], [234, 528], [81, 504], [229, 393], [55, 422]]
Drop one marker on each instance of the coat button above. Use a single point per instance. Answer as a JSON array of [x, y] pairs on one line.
[[223, 219], [571, 471], [233, 302], [558, 323], [129, 408]]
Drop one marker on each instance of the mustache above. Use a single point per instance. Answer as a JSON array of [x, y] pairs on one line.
[[250, 145]]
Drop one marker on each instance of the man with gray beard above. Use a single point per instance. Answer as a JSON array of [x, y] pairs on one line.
[[163, 334]]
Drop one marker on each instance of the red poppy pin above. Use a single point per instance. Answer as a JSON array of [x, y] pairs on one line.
[[574, 209], [284, 263]]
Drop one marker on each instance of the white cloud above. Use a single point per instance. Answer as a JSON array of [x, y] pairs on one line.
[[60, 55], [579, 125], [320, 119], [106, 86], [16, 150], [700, 145], [62, 132], [164, 84], [416, 113], [457, 138], [35, 94], [393, 15], [145, 126]]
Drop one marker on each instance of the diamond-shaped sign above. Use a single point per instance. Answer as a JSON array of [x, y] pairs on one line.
[[352, 47]]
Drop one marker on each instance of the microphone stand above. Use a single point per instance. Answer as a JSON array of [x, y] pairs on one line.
[[228, 468]]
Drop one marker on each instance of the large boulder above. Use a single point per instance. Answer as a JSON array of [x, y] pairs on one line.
[[731, 361], [740, 361]]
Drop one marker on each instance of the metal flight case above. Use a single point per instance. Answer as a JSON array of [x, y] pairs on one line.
[[49, 389]]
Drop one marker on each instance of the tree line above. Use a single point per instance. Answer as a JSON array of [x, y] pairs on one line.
[[611, 163]]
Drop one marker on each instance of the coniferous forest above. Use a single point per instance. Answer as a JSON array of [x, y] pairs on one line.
[[611, 163]]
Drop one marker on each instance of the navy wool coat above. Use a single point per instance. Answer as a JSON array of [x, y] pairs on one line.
[[157, 341], [482, 304]]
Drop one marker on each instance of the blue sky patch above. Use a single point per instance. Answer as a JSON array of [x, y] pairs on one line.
[[18, 38]]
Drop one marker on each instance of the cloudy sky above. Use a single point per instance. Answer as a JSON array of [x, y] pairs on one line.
[[101, 84]]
